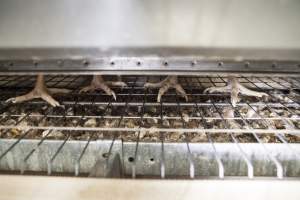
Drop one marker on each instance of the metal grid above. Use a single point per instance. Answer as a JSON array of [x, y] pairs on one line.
[[137, 117]]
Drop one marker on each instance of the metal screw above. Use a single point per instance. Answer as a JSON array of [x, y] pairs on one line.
[[105, 155], [85, 63], [35, 63], [194, 62], [130, 159], [247, 64], [60, 63]]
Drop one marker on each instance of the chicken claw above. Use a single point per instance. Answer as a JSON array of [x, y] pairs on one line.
[[40, 91], [169, 82], [235, 88], [99, 83], [231, 123], [116, 83]]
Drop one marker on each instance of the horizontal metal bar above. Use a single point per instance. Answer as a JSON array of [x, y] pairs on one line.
[[134, 60], [181, 130], [65, 103], [154, 117], [150, 65], [236, 54]]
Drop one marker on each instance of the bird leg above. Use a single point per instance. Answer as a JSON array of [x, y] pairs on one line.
[[40, 91], [229, 113], [235, 88], [169, 82], [99, 83]]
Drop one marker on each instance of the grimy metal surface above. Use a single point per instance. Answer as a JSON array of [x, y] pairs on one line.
[[142, 160]]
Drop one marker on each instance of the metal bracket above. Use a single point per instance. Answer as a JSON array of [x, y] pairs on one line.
[[150, 61]]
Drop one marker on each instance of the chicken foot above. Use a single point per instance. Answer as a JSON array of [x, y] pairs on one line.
[[235, 88], [39, 91], [231, 123], [99, 83], [169, 82]]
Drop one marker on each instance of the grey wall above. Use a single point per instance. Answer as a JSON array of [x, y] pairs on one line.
[[105, 23]]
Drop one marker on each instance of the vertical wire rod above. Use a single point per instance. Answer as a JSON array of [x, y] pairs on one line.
[[162, 161], [191, 163], [162, 155], [133, 169], [77, 163], [37, 146], [245, 157], [216, 155], [272, 157], [50, 162], [110, 150], [109, 105], [192, 166], [250, 167]]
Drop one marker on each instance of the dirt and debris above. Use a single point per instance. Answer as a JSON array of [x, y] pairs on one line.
[[205, 117], [208, 113]]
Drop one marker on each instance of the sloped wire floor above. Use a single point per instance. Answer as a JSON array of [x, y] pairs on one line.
[[136, 117]]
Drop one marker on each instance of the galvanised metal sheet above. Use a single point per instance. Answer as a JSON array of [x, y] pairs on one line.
[[178, 61], [149, 159], [155, 23]]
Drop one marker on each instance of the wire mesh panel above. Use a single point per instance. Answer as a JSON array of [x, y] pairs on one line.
[[135, 120]]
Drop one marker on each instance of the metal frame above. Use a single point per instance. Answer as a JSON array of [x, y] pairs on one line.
[[134, 96], [184, 61], [79, 158], [132, 105]]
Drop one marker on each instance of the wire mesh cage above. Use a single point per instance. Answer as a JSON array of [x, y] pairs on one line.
[[136, 136]]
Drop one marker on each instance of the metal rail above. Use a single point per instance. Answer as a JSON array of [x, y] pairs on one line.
[[182, 65]]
